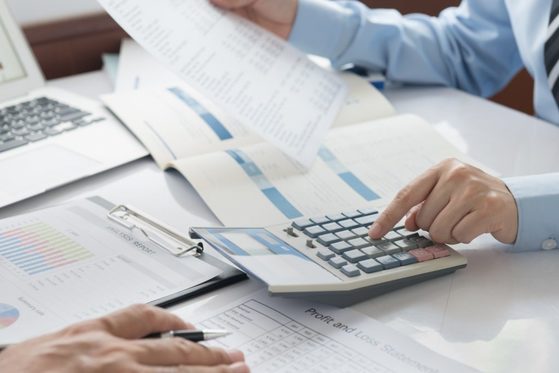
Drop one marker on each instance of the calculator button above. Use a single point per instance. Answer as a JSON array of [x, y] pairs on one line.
[[361, 231], [327, 239], [333, 227], [370, 266], [337, 262], [405, 258], [423, 242], [320, 220], [438, 251], [422, 255], [350, 270], [373, 252], [358, 243], [368, 211], [301, 224], [367, 220], [389, 247], [354, 256], [340, 247], [314, 231], [336, 217], [346, 235], [407, 244], [348, 223], [388, 261], [352, 214], [325, 254], [392, 236]]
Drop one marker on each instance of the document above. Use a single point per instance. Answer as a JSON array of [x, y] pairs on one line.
[[260, 80], [289, 336], [71, 263], [362, 165]]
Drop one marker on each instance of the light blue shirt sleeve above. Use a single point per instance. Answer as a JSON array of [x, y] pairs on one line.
[[471, 47], [537, 200]]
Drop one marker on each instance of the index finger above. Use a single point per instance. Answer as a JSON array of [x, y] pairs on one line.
[[410, 196], [140, 320]]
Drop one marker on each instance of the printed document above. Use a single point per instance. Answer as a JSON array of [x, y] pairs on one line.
[[71, 263], [362, 165], [259, 79], [287, 336]]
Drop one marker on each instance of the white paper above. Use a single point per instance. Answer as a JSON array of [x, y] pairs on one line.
[[359, 166], [70, 263], [259, 79], [139, 70], [288, 336]]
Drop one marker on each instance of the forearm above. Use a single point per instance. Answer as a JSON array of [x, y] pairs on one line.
[[415, 49], [537, 199]]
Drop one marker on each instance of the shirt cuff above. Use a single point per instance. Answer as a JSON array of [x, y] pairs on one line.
[[537, 200], [323, 28]]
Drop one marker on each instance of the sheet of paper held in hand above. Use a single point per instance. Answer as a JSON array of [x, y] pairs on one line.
[[262, 81], [290, 336]]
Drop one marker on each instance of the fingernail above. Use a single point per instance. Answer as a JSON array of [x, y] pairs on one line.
[[239, 368], [236, 355], [376, 230]]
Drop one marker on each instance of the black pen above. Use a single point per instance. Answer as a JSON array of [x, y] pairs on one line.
[[192, 335]]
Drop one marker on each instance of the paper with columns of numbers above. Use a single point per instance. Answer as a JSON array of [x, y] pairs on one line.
[[262, 81], [291, 336]]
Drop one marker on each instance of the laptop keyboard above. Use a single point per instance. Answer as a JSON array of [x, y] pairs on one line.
[[342, 240], [38, 119]]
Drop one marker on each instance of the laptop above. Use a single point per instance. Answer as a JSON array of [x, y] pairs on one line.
[[49, 137]]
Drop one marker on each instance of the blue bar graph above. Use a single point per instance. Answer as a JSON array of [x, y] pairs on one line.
[[217, 127], [346, 175], [267, 188], [36, 248]]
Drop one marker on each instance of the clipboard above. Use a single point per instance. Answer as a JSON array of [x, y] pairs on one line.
[[164, 237]]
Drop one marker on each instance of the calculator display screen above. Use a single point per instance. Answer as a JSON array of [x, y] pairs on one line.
[[247, 242]]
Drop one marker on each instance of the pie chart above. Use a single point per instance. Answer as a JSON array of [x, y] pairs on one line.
[[8, 315]]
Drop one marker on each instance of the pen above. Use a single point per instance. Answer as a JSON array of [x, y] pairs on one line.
[[192, 335]]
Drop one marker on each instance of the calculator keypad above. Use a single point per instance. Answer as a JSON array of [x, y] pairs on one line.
[[344, 243]]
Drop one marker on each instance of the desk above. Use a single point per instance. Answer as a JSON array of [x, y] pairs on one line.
[[500, 314]]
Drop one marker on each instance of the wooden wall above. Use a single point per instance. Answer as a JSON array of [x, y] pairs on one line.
[[75, 45]]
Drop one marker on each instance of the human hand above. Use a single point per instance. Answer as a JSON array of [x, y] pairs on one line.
[[455, 203], [276, 16], [112, 344]]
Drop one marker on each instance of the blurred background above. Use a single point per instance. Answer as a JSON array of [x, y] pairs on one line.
[[69, 37]]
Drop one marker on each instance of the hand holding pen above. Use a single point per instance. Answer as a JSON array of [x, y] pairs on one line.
[[112, 343]]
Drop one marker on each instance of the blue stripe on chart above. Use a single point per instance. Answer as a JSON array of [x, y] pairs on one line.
[[267, 188], [219, 129], [346, 175]]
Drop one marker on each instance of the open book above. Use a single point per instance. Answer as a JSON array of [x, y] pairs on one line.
[[368, 155]]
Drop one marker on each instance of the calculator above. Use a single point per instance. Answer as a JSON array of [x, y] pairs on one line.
[[331, 258]]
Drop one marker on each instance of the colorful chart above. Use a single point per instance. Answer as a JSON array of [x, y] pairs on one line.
[[8, 315], [36, 248]]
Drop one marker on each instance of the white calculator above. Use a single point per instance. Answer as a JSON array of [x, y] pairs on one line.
[[331, 258]]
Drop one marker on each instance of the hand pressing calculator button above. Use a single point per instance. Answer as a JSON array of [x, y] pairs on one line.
[[331, 259]]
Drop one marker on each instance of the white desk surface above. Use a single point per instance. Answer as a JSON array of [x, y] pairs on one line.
[[500, 314]]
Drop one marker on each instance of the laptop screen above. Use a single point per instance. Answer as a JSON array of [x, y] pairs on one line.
[[11, 67]]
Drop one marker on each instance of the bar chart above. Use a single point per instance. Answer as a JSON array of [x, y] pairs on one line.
[[37, 248]]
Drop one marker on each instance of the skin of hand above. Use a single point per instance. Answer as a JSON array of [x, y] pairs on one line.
[[112, 344], [455, 203], [276, 16]]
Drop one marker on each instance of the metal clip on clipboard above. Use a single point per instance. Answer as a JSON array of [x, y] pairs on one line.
[[155, 232]]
